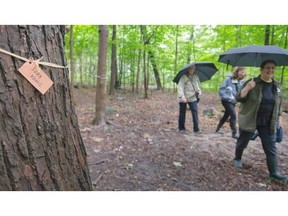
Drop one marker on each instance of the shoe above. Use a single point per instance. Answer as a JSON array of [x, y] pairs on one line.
[[234, 134], [181, 130], [237, 164], [197, 132], [255, 135], [218, 132], [279, 177]]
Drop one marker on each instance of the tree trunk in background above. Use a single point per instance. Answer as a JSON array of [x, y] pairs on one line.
[[191, 50], [81, 71], [132, 70], [146, 41], [192, 37], [176, 57], [272, 35], [145, 76], [101, 75], [113, 85], [267, 35], [40, 144], [239, 35], [155, 69], [71, 60], [120, 77], [138, 71]]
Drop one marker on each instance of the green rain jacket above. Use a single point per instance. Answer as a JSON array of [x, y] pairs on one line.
[[249, 105]]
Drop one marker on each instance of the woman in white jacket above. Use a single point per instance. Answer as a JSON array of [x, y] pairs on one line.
[[188, 91]]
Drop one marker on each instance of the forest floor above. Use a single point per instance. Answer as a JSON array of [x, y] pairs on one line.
[[142, 150]]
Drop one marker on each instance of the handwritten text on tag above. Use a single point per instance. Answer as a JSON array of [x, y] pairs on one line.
[[33, 73]]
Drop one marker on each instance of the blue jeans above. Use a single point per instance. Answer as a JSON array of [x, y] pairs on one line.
[[268, 142], [182, 115]]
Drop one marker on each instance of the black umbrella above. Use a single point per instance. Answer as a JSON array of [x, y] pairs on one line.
[[254, 55], [204, 70]]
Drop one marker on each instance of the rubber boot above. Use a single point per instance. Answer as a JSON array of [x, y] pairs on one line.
[[272, 165]]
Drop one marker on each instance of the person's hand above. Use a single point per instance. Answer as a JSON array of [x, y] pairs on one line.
[[183, 100], [251, 84], [280, 120]]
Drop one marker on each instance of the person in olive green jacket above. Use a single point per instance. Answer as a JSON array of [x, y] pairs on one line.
[[188, 92], [260, 110]]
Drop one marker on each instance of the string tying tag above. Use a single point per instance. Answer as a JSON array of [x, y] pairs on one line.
[[36, 61]]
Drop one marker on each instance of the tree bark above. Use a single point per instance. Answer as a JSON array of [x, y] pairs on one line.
[[71, 59], [40, 144], [113, 62], [145, 78], [138, 71], [267, 35], [101, 76]]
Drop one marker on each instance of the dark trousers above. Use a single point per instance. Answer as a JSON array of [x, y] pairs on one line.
[[268, 142], [182, 115], [229, 112]]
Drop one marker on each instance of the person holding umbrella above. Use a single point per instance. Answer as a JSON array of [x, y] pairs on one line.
[[188, 92], [227, 94], [260, 110]]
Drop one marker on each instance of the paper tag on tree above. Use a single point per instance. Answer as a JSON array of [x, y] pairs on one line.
[[33, 73]]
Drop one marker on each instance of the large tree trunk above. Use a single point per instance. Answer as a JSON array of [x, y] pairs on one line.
[[40, 144], [72, 60]]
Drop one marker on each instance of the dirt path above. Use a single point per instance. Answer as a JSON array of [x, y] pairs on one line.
[[143, 150]]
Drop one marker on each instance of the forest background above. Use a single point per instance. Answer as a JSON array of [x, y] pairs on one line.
[[151, 55]]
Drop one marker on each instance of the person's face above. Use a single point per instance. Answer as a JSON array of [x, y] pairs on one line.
[[267, 72], [191, 70], [241, 74]]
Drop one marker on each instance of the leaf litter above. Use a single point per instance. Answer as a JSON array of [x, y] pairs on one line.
[[141, 149]]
